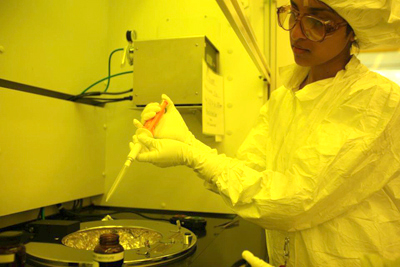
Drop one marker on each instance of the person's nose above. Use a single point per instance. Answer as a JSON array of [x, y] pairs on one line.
[[296, 33]]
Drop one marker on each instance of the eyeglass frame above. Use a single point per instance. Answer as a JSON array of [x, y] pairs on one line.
[[332, 26]]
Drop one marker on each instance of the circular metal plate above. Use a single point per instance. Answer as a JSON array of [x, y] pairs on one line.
[[146, 243]]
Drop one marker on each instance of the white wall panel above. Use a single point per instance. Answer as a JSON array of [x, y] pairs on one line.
[[51, 151]]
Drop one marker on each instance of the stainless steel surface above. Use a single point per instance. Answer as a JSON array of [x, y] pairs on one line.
[[173, 67], [167, 244]]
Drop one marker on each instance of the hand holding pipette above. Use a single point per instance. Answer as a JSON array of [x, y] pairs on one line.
[[147, 129]]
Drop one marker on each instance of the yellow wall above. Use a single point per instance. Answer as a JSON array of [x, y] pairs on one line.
[[51, 150], [58, 45]]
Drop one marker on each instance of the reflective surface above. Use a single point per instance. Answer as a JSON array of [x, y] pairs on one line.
[[147, 243], [129, 237]]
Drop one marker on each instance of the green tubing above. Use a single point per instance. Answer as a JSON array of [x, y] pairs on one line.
[[108, 77], [109, 66]]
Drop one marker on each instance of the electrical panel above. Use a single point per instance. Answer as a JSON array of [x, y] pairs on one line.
[[174, 67]]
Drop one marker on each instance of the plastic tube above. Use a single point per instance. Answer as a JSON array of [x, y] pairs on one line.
[[150, 125]]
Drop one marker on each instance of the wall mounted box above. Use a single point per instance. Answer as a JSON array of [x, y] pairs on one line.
[[173, 67]]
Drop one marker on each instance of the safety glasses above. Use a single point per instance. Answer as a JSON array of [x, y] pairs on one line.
[[313, 28]]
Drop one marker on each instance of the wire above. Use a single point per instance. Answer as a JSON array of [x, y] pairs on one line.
[[41, 215], [74, 98], [101, 98], [108, 77], [109, 100], [109, 66], [74, 214], [116, 93]]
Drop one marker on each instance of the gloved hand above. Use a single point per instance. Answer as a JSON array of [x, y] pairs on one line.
[[171, 126], [253, 260], [167, 152], [163, 152]]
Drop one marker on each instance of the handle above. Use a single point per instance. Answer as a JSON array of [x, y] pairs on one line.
[[151, 124]]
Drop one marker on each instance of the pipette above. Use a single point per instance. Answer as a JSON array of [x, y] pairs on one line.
[[150, 125]]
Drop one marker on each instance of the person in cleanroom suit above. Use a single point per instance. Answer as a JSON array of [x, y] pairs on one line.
[[321, 169]]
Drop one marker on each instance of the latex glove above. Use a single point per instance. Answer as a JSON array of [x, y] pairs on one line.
[[168, 152], [171, 126], [163, 152], [253, 260]]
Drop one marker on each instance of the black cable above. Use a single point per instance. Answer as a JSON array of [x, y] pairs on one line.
[[74, 214], [117, 93], [97, 93], [112, 99]]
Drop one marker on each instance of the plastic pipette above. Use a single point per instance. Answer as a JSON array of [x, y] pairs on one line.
[[150, 125]]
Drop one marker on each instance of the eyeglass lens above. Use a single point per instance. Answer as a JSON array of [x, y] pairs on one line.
[[313, 29]]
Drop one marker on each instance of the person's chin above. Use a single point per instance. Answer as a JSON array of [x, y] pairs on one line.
[[302, 61]]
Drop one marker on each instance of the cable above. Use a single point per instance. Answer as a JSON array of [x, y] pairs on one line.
[[108, 77], [100, 98], [41, 215], [84, 95], [117, 93], [74, 214], [109, 100], [109, 66]]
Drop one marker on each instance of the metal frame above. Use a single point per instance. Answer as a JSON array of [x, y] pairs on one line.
[[236, 17]]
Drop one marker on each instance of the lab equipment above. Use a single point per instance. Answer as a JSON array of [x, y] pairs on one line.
[[12, 249], [147, 129], [51, 231], [145, 243], [108, 252], [175, 66], [194, 223], [375, 23]]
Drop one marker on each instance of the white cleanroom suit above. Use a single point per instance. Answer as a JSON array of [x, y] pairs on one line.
[[321, 170], [324, 169]]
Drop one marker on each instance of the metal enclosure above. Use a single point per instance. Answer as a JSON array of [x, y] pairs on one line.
[[173, 67]]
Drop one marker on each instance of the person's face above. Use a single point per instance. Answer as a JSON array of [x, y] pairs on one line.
[[309, 53]]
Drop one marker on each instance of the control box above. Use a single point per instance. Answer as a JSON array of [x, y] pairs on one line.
[[174, 67]]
